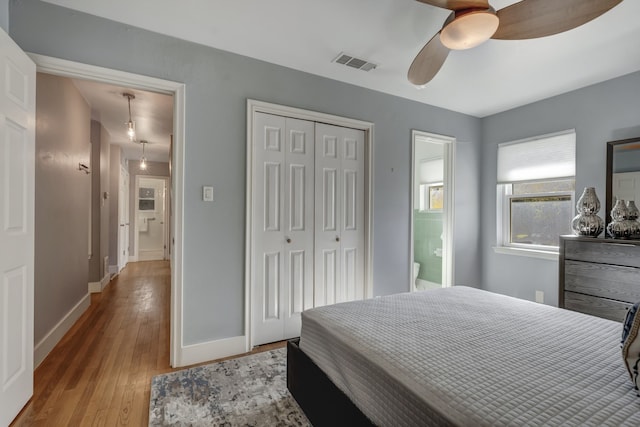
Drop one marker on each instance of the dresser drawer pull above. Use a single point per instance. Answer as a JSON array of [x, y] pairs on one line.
[[629, 245]]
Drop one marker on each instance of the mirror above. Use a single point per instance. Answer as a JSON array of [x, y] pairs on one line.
[[623, 173]]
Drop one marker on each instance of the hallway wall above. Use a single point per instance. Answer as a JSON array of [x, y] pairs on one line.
[[99, 205], [61, 201], [115, 161]]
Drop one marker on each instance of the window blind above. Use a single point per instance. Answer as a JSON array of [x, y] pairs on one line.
[[544, 157], [431, 171]]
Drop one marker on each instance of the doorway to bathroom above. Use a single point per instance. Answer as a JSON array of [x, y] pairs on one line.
[[431, 211], [151, 225]]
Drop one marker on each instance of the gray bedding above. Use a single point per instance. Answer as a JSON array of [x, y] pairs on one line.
[[466, 357]]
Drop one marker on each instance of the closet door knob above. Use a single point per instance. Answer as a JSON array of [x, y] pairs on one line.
[[288, 240], [337, 239]]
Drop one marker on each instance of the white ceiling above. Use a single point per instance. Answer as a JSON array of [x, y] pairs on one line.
[[151, 112], [307, 35]]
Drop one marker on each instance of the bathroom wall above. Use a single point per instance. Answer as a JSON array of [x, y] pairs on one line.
[[427, 224], [427, 229]]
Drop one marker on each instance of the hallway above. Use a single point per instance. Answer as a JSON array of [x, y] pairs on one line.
[[100, 373]]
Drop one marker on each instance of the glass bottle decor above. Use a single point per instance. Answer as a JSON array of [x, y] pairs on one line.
[[587, 223], [620, 226]]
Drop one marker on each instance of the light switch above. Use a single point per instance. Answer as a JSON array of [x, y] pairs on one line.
[[207, 193]]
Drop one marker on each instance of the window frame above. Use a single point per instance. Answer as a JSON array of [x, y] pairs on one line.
[[505, 195]]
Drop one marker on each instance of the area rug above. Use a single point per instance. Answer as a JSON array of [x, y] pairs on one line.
[[247, 391]]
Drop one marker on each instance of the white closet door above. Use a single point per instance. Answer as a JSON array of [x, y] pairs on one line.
[[282, 226], [339, 231], [298, 220]]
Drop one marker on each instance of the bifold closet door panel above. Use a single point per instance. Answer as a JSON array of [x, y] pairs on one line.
[[282, 226], [298, 220], [339, 219]]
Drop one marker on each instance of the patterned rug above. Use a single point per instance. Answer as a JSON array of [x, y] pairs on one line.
[[247, 391]]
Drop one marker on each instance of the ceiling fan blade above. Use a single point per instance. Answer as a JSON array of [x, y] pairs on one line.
[[458, 4], [428, 61], [530, 19]]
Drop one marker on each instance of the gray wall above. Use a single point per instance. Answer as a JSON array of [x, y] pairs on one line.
[[62, 201], [94, 261], [153, 169], [115, 161], [99, 205], [600, 113], [217, 86], [105, 204], [4, 15]]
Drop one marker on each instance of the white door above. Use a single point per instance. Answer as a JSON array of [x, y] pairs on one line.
[[339, 219], [282, 228], [17, 155], [123, 219], [626, 186]]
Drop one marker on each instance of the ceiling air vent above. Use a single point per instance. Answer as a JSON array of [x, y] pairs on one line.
[[357, 63]]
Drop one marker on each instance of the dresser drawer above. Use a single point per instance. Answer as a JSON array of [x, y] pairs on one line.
[[627, 254], [596, 306], [602, 280]]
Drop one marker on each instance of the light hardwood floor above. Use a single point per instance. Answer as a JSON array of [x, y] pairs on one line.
[[100, 373]]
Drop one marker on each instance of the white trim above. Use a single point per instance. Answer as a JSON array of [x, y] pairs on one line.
[[210, 350], [133, 258], [53, 337], [531, 253], [62, 67], [448, 252], [254, 106], [97, 287], [113, 269]]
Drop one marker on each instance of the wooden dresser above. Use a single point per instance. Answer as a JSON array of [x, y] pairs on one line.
[[599, 276]]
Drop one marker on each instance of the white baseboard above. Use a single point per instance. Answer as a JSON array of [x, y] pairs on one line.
[[113, 269], [133, 258], [44, 347], [211, 350], [97, 287]]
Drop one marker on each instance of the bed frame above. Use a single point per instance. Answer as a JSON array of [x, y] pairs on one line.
[[322, 401]]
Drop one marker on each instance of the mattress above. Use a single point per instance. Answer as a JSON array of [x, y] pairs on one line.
[[466, 357]]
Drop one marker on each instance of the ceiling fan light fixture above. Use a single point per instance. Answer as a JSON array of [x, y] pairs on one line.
[[469, 28]]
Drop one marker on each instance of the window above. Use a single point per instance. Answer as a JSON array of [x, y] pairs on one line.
[[536, 189]]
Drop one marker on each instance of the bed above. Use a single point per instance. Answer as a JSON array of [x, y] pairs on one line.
[[459, 357]]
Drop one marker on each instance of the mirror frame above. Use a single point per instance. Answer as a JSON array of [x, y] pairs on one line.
[[609, 188]]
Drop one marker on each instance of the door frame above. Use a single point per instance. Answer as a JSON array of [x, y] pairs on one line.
[[65, 68], [166, 208], [255, 106], [448, 143]]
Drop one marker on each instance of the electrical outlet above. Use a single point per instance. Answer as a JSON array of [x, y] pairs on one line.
[[207, 193], [540, 297]]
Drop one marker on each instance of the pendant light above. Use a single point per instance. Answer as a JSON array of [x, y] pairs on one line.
[[143, 159], [131, 127]]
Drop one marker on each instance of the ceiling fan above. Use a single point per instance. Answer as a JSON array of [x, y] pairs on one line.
[[472, 22]]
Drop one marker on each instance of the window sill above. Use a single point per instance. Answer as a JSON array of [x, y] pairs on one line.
[[531, 253]]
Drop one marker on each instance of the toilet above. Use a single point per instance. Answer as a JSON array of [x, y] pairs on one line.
[[416, 271]]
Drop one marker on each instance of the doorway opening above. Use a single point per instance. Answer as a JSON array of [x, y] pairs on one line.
[[431, 211], [151, 227], [173, 157]]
